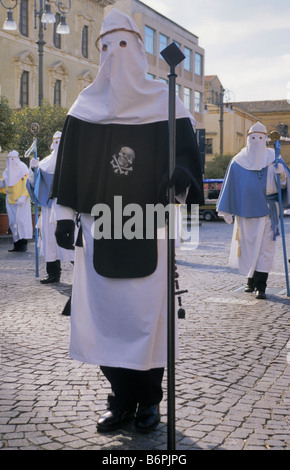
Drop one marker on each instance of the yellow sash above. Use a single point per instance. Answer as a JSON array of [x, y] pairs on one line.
[[16, 191]]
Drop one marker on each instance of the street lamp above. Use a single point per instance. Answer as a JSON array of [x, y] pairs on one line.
[[48, 17], [9, 24], [220, 103], [45, 16], [62, 27]]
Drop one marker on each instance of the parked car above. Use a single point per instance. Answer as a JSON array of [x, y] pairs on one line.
[[211, 189]]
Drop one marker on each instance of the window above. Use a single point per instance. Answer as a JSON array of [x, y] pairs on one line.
[[163, 43], [197, 102], [188, 59], [56, 37], [57, 93], [198, 64], [150, 76], [149, 40], [209, 146], [163, 80], [187, 98], [85, 40], [23, 18], [177, 90], [24, 88]]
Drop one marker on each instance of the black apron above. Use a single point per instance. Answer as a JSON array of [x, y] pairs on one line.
[[99, 162]]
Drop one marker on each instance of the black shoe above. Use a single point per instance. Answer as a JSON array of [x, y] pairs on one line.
[[250, 286], [260, 294], [147, 418], [18, 250], [50, 279], [113, 420], [249, 289]]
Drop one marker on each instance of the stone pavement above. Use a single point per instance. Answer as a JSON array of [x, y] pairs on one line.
[[232, 376]]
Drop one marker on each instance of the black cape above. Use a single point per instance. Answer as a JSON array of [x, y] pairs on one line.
[[89, 172]]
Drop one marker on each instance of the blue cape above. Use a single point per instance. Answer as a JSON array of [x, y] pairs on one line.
[[41, 192], [244, 192]]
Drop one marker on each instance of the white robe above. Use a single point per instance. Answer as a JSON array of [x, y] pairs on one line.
[[118, 322], [48, 248], [19, 215], [253, 247]]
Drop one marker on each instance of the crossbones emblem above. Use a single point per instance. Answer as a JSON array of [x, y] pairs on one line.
[[123, 161]]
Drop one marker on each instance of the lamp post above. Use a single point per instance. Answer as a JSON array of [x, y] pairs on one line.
[[221, 120], [43, 13], [220, 103]]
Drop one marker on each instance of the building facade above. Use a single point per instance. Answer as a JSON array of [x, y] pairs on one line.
[[275, 115], [235, 126], [212, 89], [226, 124], [70, 62]]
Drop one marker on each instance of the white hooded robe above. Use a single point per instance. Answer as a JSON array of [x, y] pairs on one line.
[[48, 248], [19, 211], [253, 241], [120, 322]]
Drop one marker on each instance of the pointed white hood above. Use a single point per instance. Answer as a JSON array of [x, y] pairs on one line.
[[49, 162], [256, 155], [15, 169], [121, 93]]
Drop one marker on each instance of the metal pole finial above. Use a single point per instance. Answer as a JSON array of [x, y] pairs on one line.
[[274, 135], [35, 129]]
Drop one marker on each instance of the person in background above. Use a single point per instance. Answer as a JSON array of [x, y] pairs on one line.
[[249, 192], [39, 187], [13, 183]]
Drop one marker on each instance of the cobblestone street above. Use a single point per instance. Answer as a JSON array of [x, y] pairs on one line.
[[232, 375]]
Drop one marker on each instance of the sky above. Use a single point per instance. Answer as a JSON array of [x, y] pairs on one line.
[[246, 43]]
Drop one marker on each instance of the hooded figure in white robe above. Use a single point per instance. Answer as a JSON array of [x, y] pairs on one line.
[[17, 201], [114, 147], [39, 188], [249, 193]]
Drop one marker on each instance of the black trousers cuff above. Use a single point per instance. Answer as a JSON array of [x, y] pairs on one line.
[[131, 387]]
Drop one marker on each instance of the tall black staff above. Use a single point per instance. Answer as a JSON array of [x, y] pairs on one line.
[[173, 56], [35, 129]]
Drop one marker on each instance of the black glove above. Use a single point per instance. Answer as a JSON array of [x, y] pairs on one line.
[[181, 179], [64, 234]]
